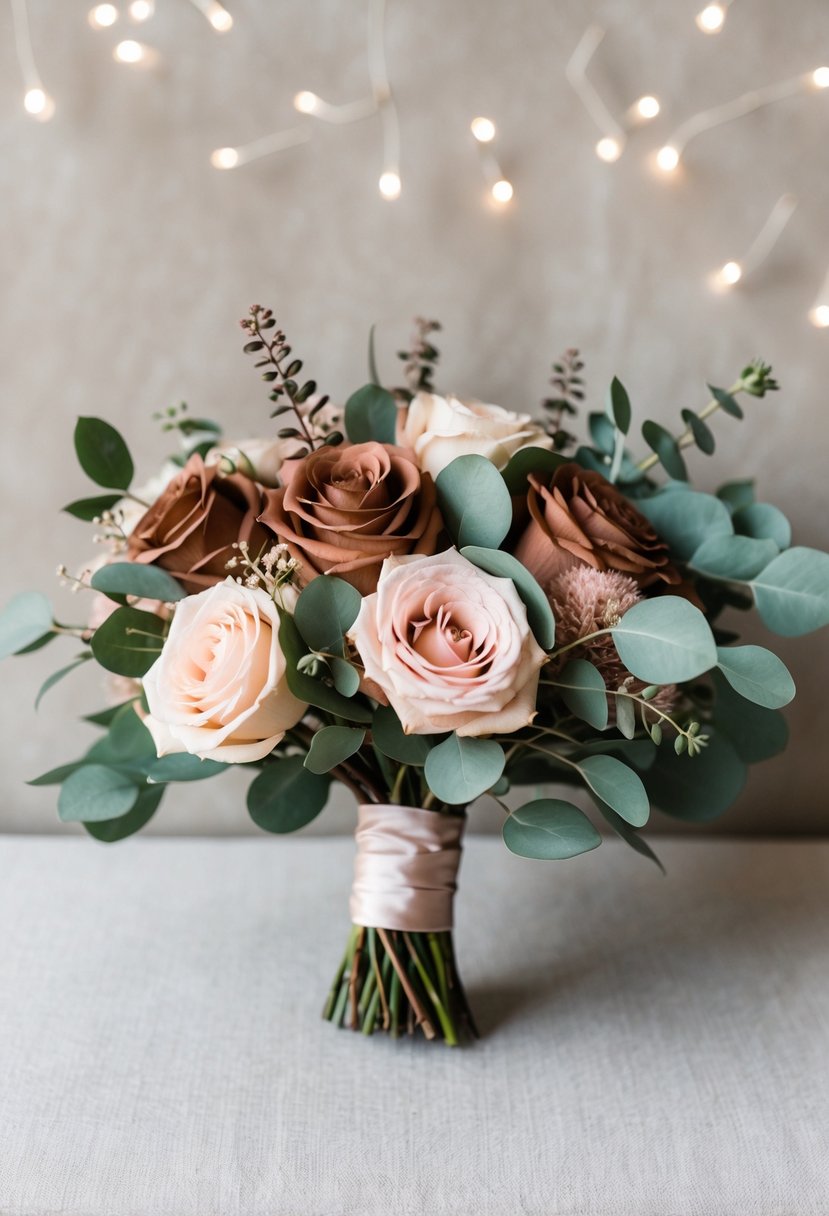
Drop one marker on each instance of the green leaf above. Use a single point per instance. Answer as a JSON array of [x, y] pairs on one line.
[[307, 688], [103, 455], [792, 592], [618, 405], [345, 676], [92, 508], [626, 716], [286, 796], [94, 793], [372, 359], [737, 494], [26, 619], [685, 518], [665, 641], [733, 557], [371, 413], [134, 578], [126, 743], [583, 692], [459, 770], [763, 521], [703, 435], [129, 642], [331, 745], [325, 611], [757, 674], [667, 449], [550, 829], [639, 752], [628, 834], [56, 776], [697, 788], [618, 786], [104, 716], [530, 460], [57, 676], [504, 565], [111, 830], [181, 766], [388, 734], [602, 432], [757, 734], [726, 401], [475, 502]]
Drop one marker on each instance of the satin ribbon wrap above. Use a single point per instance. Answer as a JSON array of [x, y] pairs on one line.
[[406, 868]]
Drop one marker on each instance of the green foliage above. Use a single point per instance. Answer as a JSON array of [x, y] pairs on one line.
[[697, 789], [618, 405], [726, 401], [92, 508], [325, 611], [755, 733], [103, 454], [763, 521], [617, 785], [583, 692], [94, 793], [475, 502], [757, 674], [702, 433], [129, 642], [792, 592], [111, 830], [25, 620], [304, 686], [504, 565], [602, 432], [686, 518], [549, 829], [286, 796], [371, 413], [346, 677], [733, 557], [667, 449], [626, 716], [530, 460], [331, 745], [737, 494], [665, 640], [639, 752], [181, 766], [628, 834], [134, 578], [57, 676], [388, 735], [459, 769]]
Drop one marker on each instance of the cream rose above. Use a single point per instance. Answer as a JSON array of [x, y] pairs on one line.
[[440, 428], [219, 689], [450, 647]]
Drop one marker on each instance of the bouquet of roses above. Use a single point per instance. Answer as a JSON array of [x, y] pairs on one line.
[[452, 601]]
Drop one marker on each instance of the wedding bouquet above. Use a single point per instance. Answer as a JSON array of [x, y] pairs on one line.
[[453, 601]]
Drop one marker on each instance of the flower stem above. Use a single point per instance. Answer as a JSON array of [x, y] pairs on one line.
[[685, 439]]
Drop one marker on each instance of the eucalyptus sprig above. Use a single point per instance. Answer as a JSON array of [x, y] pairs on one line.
[[286, 392], [568, 394]]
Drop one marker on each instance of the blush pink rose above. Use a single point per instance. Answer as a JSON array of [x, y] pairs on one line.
[[450, 647], [219, 689]]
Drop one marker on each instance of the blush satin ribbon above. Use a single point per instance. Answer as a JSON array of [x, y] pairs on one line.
[[406, 868]]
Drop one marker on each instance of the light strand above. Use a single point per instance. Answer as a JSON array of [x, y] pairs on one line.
[[612, 141], [500, 187], [819, 312], [267, 145], [760, 248], [215, 13], [36, 101]]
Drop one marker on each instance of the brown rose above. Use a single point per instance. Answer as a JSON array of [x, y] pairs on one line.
[[578, 517], [191, 527], [345, 510]]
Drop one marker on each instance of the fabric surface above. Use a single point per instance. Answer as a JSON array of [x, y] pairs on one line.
[[652, 1047]]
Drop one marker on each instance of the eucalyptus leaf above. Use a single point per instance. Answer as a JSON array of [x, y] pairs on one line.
[[308, 689], [474, 501], [626, 716], [639, 752], [733, 557], [92, 508], [504, 565], [583, 692], [540, 461], [182, 766], [667, 449], [703, 435], [103, 454], [686, 518], [325, 611], [628, 834], [371, 414], [388, 734], [617, 785], [111, 830], [57, 676], [737, 494], [665, 640], [93, 793], [128, 642], [26, 619], [764, 521], [345, 676], [618, 405], [286, 796], [549, 829], [697, 788], [331, 745], [756, 734], [135, 578], [459, 769], [726, 401], [602, 432], [757, 674], [792, 592]]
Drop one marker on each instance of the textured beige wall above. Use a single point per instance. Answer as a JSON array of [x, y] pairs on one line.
[[126, 261]]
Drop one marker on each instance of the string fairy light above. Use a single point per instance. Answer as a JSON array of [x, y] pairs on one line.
[[215, 13], [141, 10], [611, 144], [734, 272], [232, 158], [500, 187], [36, 101], [711, 19], [133, 53], [102, 16], [819, 312], [670, 154]]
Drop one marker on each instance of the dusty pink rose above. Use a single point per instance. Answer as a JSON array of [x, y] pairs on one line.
[[343, 510], [219, 689], [450, 647]]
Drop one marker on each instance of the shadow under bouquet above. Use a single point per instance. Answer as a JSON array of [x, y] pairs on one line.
[[456, 600]]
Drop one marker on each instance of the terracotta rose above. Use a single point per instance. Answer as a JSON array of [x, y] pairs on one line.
[[578, 518], [343, 510], [191, 527]]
